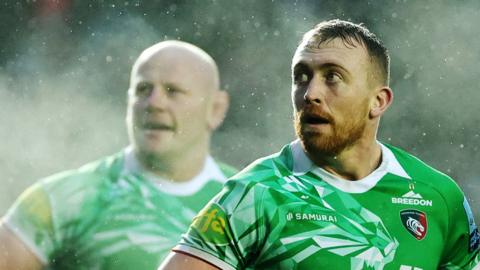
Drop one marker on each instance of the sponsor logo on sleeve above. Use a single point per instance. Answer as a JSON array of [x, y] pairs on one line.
[[211, 225], [412, 198], [474, 236], [415, 222], [310, 217]]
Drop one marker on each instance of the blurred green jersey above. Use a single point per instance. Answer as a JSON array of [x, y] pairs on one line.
[[110, 214]]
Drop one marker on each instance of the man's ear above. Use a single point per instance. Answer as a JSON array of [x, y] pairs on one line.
[[381, 101], [218, 111]]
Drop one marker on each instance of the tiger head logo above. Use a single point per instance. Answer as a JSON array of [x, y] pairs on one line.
[[415, 222]]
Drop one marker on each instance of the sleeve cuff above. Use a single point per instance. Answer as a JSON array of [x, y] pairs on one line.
[[203, 256], [26, 241]]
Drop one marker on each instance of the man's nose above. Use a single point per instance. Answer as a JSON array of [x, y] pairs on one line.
[[315, 91], [158, 97]]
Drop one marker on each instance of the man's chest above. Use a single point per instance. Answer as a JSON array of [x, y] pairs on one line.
[[389, 227]]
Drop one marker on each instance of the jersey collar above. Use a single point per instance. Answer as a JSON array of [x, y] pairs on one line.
[[209, 172], [302, 165]]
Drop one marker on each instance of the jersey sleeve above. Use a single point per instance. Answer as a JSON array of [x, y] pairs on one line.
[[30, 219], [463, 239], [228, 232]]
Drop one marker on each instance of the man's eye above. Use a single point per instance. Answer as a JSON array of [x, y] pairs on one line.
[[171, 90], [143, 89], [333, 77], [301, 78]]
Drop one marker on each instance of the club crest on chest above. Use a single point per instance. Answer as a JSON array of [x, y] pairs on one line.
[[415, 222]]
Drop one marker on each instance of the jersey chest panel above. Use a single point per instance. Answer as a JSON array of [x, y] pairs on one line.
[[126, 225], [325, 228]]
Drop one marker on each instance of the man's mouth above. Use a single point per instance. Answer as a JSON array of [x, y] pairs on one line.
[[314, 119], [156, 126]]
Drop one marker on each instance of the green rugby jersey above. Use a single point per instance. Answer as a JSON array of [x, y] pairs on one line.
[[282, 212], [110, 214]]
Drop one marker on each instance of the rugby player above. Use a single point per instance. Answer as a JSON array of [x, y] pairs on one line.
[[336, 198], [128, 210]]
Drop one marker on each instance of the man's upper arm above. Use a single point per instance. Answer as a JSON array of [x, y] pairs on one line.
[[14, 254], [462, 247], [228, 230], [176, 260], [27, 229]]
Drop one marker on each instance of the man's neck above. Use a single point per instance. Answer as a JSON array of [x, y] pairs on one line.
[[177, 168], [354, 163]]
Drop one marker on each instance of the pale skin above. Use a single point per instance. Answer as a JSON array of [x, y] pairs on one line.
[[174, 104], [339, 80], [180, 261], [14, 255], [173, 107]]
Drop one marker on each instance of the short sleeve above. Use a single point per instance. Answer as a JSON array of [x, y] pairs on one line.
[[229, 230], [463, 239], [30, 219]]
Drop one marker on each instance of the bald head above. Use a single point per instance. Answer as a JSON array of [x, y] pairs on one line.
[[174, 102], [177, 58]]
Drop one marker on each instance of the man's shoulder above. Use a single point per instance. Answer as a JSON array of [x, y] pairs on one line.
[[266, 170], [248, 187], [99, 170], [420, 171]]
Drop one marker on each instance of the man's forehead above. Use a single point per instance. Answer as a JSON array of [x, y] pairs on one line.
[[176, 70], [335, 50]]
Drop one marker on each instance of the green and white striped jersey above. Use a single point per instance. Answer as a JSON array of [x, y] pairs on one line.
[[110, 214], [283, 212]]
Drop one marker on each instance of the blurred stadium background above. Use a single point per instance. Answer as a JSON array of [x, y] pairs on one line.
[[64, 70]]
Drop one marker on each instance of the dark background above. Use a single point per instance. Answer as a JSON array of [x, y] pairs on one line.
[[64, 70]]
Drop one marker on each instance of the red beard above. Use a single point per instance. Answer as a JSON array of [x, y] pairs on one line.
[[342, 135]]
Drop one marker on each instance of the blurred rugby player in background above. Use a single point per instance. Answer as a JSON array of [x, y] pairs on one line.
[[127, 211]]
